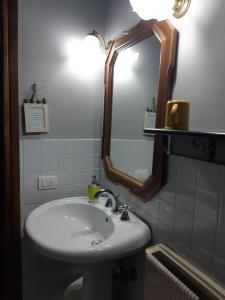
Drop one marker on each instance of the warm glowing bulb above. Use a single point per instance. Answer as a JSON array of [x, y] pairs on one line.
[[91, 41], [84, 57], [71, 47], [150, 9]]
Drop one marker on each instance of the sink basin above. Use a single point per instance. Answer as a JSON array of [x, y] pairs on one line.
[[74, 230]]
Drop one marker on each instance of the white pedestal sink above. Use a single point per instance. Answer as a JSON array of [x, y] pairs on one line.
[[74, 230]]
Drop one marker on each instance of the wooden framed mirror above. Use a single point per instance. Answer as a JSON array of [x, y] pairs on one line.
[[138, 75]]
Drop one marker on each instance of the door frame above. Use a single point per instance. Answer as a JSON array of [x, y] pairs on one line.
[[9, 154]]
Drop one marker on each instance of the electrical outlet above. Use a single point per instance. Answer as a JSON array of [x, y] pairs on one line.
[[47, 182]]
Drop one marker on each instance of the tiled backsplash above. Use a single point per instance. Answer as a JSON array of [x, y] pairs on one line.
[[73, 161], [188, 214]]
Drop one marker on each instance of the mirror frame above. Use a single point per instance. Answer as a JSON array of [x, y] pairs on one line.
[[167, 36]]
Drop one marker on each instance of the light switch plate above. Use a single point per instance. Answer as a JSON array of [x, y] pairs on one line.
[[47, 182]]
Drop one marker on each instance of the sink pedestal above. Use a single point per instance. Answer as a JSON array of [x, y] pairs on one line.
[[97, 281]]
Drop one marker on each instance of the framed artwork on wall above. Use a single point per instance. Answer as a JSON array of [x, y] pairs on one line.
[[36, 118]]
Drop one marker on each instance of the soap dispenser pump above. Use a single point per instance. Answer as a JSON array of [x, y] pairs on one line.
[[93, 188]]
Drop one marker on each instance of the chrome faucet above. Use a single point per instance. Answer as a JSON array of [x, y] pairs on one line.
[[111, 197]]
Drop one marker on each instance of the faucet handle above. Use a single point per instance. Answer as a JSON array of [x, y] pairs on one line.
[[117, 197], [118, 207], [125, 216], [108, 202]]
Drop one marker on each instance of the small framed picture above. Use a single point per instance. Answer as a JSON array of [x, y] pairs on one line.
[[36, 118], [149, 119]]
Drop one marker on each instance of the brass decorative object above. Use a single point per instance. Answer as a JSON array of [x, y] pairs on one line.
[[180, 8]]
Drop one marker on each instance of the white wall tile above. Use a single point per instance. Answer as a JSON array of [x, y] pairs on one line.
[[65, 162], [207, 206], [49, 164], [139, 204], [195, 228], [65, 191], [183, 230], [95, 158], [185, 196], [170, 213], [56, 157], [65, 177], [172, 167], [85, 175], [168, 192], [182, 248], [32, 147], [203, 259], [28, 208], [32, 163], [209, 177], [31, 195], [165, 233], [171, 218], [166, 213], [83, 147], [97, 147], [49, 147], [86, 146], [219, 270], [204, 235], [31, 179], [83, 161], [65, 147], [79, 189], [220, 245], [153, 222], [48, 195], [152, 207], [187, 170]]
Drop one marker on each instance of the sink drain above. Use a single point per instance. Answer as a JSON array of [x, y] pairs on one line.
[[96, 242]]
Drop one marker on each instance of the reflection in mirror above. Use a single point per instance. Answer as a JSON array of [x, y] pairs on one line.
[[135, 90], [138, 75]]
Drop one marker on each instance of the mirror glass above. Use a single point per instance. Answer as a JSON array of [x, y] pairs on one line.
[[134, 106]]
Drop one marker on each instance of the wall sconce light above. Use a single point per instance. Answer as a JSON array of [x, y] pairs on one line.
[[85, 57], [94, 34], [180, 8], [160, 9]]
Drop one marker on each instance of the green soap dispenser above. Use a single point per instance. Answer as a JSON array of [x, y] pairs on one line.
[[93, 188]]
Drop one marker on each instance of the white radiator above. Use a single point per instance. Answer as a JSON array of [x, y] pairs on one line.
[[170, 277]]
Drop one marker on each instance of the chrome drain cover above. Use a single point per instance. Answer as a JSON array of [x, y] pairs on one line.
[[96, 242]]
